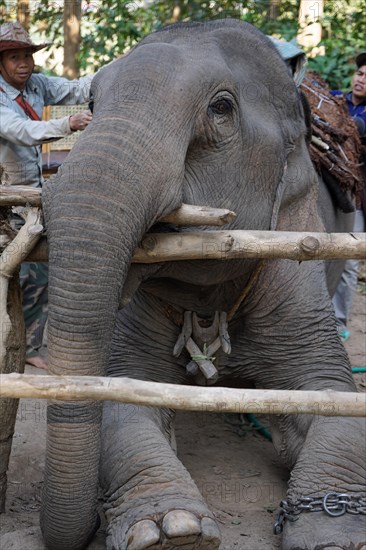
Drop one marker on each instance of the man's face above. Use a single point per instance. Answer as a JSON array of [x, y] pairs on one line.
[[16, 66], [359, 84]]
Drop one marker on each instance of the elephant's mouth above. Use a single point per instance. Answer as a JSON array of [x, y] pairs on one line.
[[164, 227]]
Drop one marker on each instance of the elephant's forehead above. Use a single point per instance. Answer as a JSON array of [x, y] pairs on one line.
[[185, 62], [230, 54], [227, 38]]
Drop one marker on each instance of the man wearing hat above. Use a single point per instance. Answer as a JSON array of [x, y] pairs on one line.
[[356, 103], [22, 98]]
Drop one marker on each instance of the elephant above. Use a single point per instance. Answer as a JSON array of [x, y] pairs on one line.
[[203, 114]]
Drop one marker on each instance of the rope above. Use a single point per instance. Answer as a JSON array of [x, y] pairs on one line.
[[246, 291], [256, 424]]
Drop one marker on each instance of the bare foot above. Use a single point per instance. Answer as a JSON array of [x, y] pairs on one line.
[[37, 362]]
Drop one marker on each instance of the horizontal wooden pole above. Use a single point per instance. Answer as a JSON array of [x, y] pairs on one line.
[[213, 245], [231, 245], [17, 195], [187, 214], [192, 398]]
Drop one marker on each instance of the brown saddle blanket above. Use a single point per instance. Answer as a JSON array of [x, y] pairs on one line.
[[335, 147]]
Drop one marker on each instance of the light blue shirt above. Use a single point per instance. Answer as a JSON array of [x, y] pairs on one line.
[[21, 137]]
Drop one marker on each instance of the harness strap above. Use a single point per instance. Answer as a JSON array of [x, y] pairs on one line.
[[177, 317], [246, 290]]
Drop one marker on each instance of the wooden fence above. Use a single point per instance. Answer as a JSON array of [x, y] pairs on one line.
[[199, 245]]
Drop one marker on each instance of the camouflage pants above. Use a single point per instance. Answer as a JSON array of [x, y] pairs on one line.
[[34, 284]]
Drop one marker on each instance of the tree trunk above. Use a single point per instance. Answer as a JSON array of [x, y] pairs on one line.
[[3, 13], [273, 10], [23, 14], [14, 361], [310, 28], [72, 16], [176, 12]]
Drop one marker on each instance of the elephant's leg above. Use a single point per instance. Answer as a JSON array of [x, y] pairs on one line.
[[151, 500], [13, 360], [327, 455], [291, 342], [331, 459]]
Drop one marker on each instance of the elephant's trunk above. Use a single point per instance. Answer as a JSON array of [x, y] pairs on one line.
[[96, 213]]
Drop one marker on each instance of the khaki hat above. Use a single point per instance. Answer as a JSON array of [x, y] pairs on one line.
[[361, 59], [14, 37]]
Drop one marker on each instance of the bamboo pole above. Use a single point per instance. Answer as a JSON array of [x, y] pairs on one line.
[[193, 398], [231, 245]]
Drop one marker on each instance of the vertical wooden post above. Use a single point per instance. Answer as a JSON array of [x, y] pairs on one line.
[[14, 361], [12, 330]]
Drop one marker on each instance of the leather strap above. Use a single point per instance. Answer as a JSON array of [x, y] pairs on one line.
[[27, 108]]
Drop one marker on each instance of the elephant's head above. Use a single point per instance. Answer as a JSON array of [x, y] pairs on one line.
[[204, 114]]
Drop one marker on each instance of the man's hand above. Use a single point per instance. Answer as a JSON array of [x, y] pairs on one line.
[[80, 121]]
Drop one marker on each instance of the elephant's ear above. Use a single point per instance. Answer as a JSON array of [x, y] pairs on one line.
[[295, 207]]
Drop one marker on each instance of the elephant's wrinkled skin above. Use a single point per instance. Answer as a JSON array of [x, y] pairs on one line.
[[207, 115]]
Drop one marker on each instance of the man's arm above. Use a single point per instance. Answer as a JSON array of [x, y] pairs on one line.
[[28, 133], [61, 91], [360, 120]]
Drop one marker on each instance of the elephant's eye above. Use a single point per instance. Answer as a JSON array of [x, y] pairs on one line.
[[221, 107]]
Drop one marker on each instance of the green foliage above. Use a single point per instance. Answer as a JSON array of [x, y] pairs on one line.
[[8, 11], [279, 19], [344, 27], [48, 18], [113, 26], [110, 27]]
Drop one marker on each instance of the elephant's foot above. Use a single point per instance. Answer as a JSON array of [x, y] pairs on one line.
[[318, 531], [176, 529]]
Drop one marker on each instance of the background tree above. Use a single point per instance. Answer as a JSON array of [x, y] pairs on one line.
[[343, 36], [309, 34], [23, 13], [109, 28], [72, 36]]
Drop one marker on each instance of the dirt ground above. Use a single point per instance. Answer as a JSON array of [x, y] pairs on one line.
[[236, 470]]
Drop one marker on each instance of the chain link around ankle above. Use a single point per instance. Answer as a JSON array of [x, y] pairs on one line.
[[333, 504]]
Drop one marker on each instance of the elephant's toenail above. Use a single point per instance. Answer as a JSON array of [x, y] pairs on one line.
[[142, 535], [180, 523], [210, 530]]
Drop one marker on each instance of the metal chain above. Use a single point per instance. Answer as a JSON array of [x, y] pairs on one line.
[[333, 504]]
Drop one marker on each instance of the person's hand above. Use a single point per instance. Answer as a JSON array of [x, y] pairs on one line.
[[80, 121]]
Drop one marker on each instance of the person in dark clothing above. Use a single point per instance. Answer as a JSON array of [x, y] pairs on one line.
[[356, 103]]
